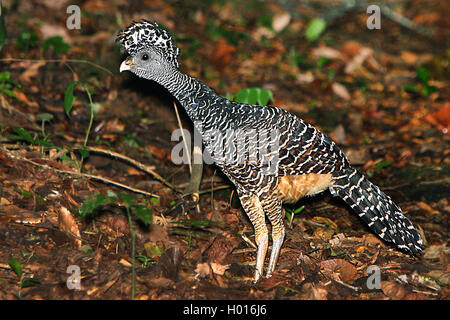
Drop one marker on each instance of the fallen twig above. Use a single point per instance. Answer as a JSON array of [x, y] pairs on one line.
[[82, 175], [195, 167], [137, 164], [60, 60], [216, 188], [249, 242]]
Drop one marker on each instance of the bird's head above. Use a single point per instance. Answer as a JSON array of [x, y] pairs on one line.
[[152, 51]]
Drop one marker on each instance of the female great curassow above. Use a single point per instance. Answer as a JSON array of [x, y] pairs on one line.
[[270, 155]]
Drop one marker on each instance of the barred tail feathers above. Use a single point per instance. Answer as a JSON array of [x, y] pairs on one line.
[[377, 209]]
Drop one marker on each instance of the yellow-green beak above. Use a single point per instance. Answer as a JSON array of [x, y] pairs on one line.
[[127, 64]]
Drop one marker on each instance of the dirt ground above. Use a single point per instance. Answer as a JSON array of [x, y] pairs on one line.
[[66, 202]]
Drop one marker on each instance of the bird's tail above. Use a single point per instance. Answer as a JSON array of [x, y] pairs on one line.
[[377, 209]]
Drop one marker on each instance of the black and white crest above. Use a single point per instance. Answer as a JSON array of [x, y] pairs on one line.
[[145, 34]]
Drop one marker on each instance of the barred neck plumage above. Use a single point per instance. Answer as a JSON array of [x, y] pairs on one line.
[[193, 95]]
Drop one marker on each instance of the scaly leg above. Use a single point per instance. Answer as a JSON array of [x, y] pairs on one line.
[[273, 209], [254, 211]]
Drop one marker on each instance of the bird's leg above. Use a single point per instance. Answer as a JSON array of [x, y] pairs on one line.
[[262, 241], [276, 247], [255, 212], [273, 209]]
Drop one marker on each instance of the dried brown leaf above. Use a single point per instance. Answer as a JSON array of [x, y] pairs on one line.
[[219, 269], [314, 292], [52, 30], [22, 97], [31, 71], [338, 269], [338, 134], [409, 57], [393, 289], [434, 252], [67, 224], [203, 269], [280, 21], [328, 52], [351, 48], [440, 118], [221, 248], [160, 282], [272, 282], [358, 60], [158, 234], [222, 54]]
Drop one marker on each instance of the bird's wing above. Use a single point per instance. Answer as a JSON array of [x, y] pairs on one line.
[[302, 148]]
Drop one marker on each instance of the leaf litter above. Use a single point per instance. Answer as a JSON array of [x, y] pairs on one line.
[[393, 101]]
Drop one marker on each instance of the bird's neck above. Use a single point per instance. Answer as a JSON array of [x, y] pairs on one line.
[[196, 98]]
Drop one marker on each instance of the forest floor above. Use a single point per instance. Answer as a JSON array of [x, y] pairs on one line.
[[382, 95]]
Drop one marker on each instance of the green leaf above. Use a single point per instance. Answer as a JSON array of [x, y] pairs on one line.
[[27, 38], [58, 44], [288, 214], [427, 90], [45, 117], [423, 75], [412, 88], [91, 203], [299, 209], [265, 21], [69, 98], [155, 200], [242, 96], [380, 165], [315, 29], [26, 194], [265, 96], [15, 266], [152, 250], [43, 143], [323, 62], [84, 152], [9, 93], [24, 134], [29, 282], [144, 214], [254, 96], [127, 198], [5, 76]]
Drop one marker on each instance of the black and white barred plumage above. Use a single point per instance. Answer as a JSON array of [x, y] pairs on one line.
[[377, 209], [140, 35], [306, 161]]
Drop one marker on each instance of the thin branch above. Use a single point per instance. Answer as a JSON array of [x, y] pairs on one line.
[[184, 138], [83, 175], [405, 22], [217, 188], [342, 283], [137, 164], [60, 60], [249, 242], [195, 168]]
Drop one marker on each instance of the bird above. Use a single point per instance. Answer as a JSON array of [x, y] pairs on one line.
[[271, 156]]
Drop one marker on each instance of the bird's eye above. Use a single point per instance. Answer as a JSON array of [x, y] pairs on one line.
[[145, 56]]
